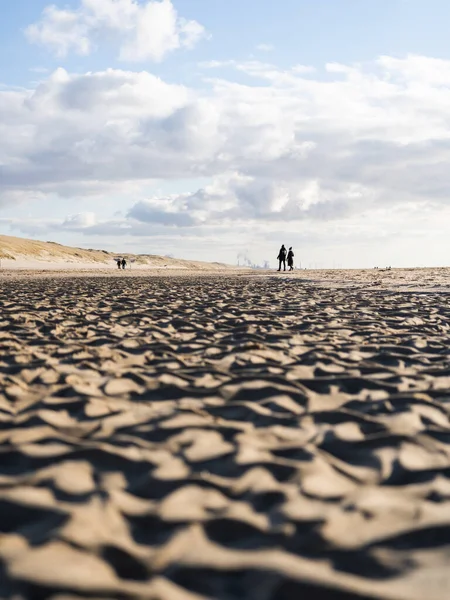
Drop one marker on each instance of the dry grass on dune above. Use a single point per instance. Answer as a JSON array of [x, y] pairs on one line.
[[19, 249], [13, 247]]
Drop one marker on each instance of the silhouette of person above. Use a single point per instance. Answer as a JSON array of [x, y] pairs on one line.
[[119, 262], [290, 259], [124, 263], [282, 257]]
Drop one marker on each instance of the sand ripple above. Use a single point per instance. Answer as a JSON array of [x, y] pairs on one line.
[[227, 437]]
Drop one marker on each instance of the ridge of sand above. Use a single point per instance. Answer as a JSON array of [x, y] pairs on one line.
[[22, 253], [221, 436]]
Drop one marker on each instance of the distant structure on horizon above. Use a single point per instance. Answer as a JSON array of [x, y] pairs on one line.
[[246, 261], [243, 256]]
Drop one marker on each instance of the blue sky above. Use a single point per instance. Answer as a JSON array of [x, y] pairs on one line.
[[300, 31], [208, 128]]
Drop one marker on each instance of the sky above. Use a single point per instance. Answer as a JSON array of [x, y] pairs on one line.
[[219, 129]]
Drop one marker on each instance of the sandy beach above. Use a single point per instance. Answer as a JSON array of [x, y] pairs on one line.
[[252, 435]]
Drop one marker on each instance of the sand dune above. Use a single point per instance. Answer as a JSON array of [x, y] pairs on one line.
[[19, 253], [200, 436]]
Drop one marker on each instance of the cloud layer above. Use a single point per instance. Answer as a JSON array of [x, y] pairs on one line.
[[147, 31], [352, 133], [279, 148]]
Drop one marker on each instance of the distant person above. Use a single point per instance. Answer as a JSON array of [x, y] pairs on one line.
[[290, 259], [124, 263], [282, 257], [119, 263]]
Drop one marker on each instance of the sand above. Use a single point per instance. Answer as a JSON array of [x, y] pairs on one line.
[[228, 435]]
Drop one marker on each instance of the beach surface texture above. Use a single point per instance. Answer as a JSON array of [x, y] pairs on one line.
[[193, 435]]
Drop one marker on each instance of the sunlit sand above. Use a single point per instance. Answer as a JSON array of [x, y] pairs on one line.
[[183, 435]]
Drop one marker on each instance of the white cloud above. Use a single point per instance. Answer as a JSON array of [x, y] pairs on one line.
[[417, 69], [303, 69], [62, 30], [81, 128], [79, 221], [256, 68], [235, 197], [147, 31]]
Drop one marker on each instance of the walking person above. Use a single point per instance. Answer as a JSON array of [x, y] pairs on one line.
[[290, 259], [119, 263], [282, 257], [124, 263]]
